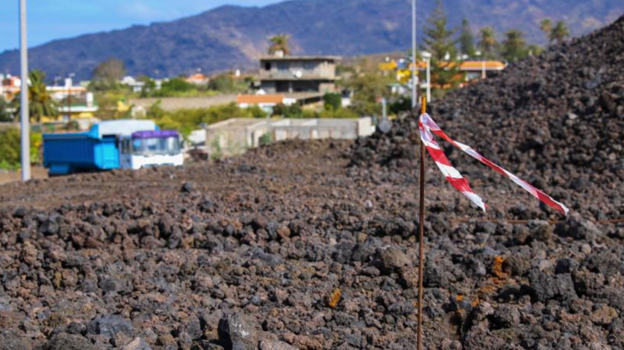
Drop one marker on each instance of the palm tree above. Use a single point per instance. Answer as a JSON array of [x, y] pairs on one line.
[[546, 27], [559, 32], [514, 46], [279, 43], [40, 103], [487, 41]]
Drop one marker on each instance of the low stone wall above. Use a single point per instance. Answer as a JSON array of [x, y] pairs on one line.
[[175, 103]]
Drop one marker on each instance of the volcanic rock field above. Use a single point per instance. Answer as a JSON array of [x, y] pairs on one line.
[[312, 245]]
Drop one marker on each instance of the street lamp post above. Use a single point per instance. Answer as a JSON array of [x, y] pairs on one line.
[[482, 69], [478, 54], [414, 59], [427, 57], [25, 125], [70, 84]]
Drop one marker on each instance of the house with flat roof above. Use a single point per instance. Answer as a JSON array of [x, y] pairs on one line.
[[289, 74], [265, 102]]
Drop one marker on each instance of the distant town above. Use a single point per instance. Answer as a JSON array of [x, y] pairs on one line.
[[356, 93]]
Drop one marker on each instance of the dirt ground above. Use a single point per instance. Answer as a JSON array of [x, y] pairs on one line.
[[12, 176], [311, 245], [290, 247]]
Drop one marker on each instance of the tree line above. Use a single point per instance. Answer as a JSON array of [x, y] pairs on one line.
[[449, 45]]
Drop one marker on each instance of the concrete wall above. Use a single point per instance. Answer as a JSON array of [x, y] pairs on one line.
[[175, 103], [234, 136]]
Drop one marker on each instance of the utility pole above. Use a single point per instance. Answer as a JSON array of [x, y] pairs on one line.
[[384, 108], [25, 125], [427, 56], [414, 60]]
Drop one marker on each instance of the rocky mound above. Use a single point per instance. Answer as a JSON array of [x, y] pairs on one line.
[[556, 119], [288, 248]]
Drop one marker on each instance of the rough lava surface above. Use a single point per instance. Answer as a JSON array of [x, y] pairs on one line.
[[311, 245]]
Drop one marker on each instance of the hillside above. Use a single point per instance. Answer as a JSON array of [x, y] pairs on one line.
[[232, 36]]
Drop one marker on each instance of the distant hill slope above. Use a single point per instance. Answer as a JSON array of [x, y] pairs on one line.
[[233, 37]]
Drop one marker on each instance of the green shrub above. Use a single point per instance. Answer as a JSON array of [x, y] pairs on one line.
[[332, 101], [5, 116], [226, 83], [257, 112], [187, 120], [292, 111], [341, 113], [266, 138], [403, 104], [10, 148]]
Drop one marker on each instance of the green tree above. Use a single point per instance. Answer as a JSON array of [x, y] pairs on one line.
[[332, 101], [367, 89], [292, 111], [487, 42], [155, 111], [466, 39], [226, 83], [149, 88], [176, 84], [534, 50], [559, 32], [106, 75], [514, 45], [187, 120], [40, 102], [5, 116], [546, 27], [438, 41], [279, 43], [10, 148]]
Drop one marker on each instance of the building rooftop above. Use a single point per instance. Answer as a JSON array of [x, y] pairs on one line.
[[300, 58], [257, 99], [470, 65]]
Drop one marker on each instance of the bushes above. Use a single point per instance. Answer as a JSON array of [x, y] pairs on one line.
[[332, 101], [10, 148], [295, 111], [187, 120], [266, 139], [292, 111], [227, 84], [341, 113], [178, 87], [175, 87], [5, 116]]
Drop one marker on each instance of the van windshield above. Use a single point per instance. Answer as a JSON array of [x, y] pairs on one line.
[[156, 146]]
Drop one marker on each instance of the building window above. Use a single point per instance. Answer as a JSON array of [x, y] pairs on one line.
[[267, 66], [282, 66], [309, 66]]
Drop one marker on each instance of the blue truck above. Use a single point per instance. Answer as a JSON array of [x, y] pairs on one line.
[[118, 144]]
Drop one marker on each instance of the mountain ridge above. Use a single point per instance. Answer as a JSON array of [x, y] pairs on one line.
[[229, 36]]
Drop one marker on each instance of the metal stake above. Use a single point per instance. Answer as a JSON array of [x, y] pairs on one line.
[[25, 125], [421, 240]]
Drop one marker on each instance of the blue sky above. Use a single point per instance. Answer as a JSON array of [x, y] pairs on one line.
[[56, 19]]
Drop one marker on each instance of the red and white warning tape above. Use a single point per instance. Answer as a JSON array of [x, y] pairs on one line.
[[428, 127]]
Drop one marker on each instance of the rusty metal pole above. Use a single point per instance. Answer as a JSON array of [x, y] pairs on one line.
[[421, 239]]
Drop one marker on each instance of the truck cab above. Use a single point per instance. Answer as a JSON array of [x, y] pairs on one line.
[[150, 148]]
